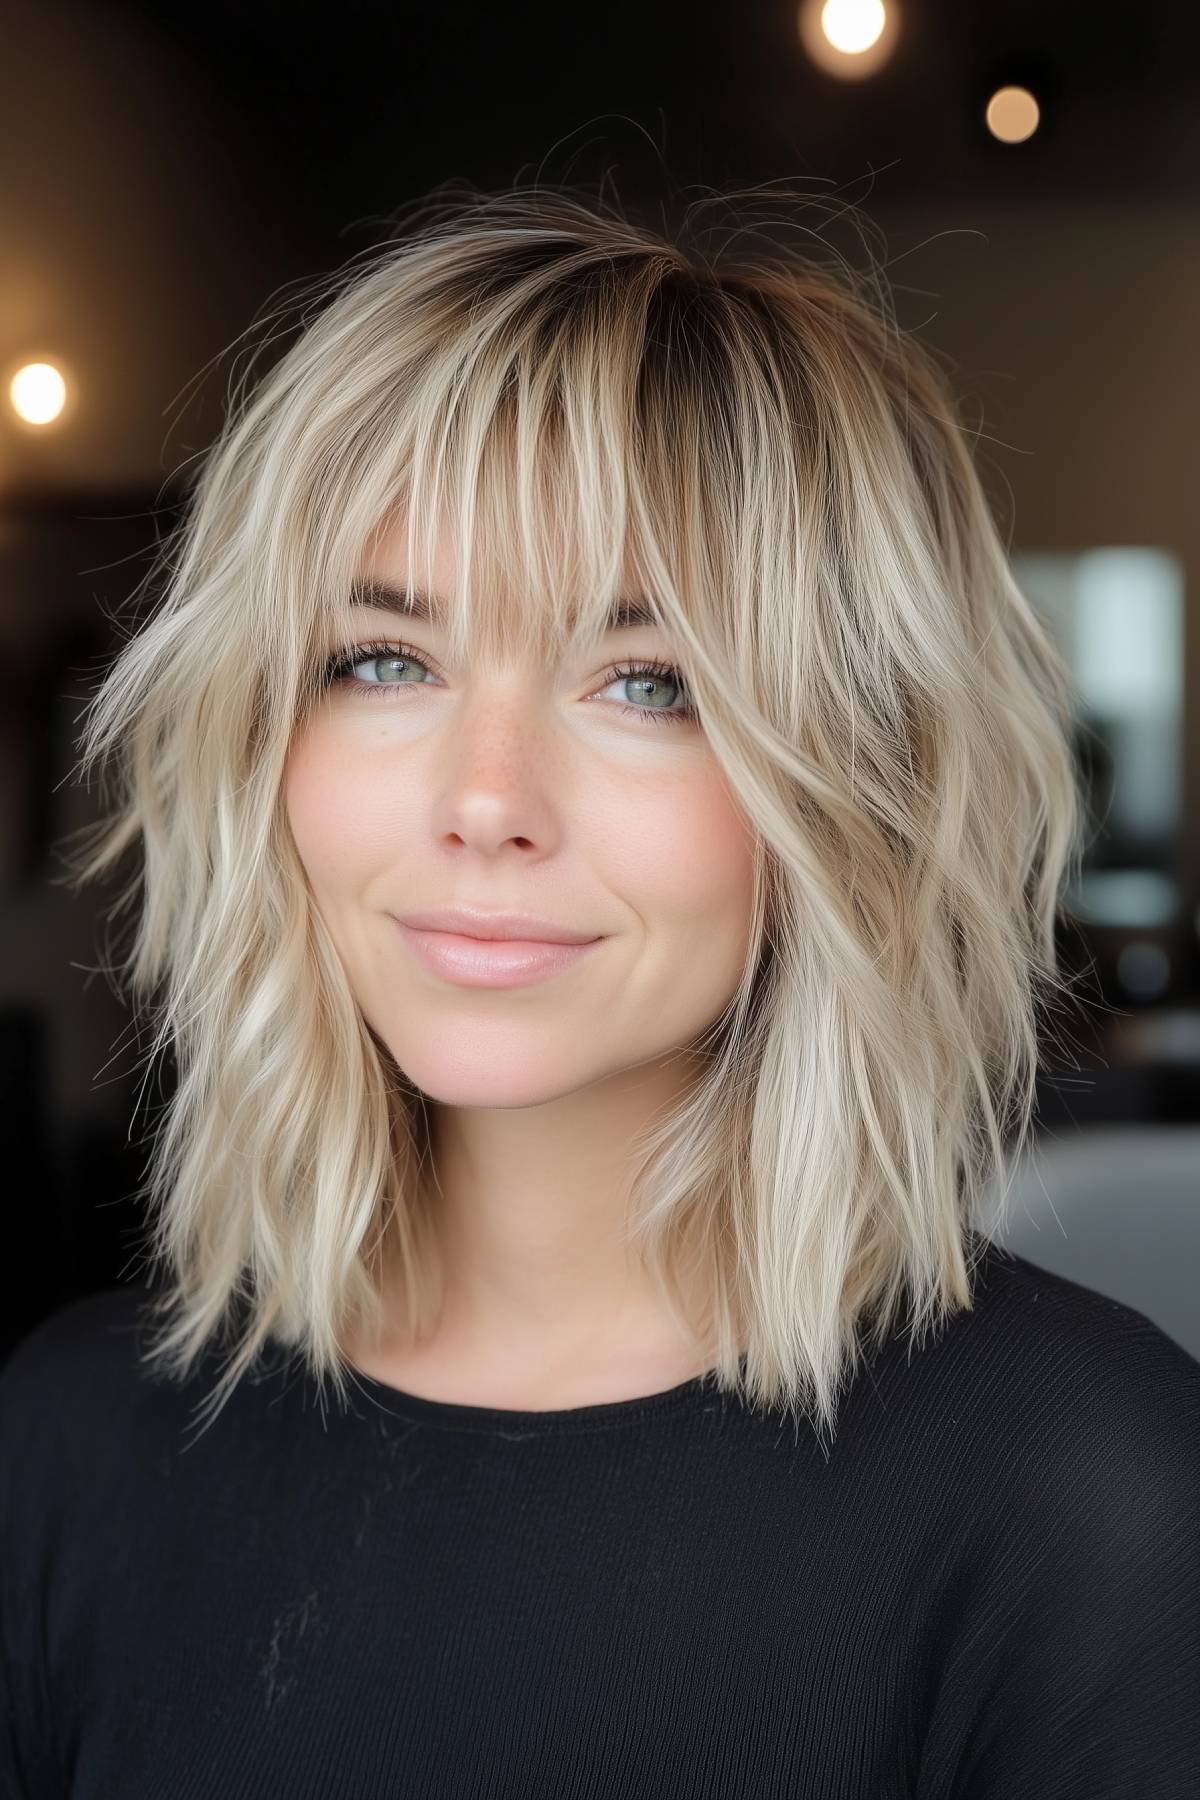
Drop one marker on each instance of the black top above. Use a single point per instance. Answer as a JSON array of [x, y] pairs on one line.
[[988, 1586]]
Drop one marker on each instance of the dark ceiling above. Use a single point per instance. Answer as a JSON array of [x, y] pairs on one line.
[[357, 108]]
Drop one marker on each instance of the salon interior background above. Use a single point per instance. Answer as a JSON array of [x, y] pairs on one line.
[[168, 171]]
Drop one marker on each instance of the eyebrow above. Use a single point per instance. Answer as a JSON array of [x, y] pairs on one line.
[[624, 613]]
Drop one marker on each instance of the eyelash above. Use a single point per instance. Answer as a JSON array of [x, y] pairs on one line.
[[336, 671]]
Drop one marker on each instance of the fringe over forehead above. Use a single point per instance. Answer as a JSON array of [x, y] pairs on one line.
[[586, 425]]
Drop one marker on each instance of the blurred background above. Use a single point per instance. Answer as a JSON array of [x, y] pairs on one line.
[[1034, 171]]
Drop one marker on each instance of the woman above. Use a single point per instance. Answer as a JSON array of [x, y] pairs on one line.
[[692, 1437]]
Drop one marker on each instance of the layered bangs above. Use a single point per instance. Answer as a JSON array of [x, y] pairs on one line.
[[571, 445]]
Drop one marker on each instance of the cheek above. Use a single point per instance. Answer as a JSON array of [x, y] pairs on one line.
[[683, 851], [331, 812], [310, 817]]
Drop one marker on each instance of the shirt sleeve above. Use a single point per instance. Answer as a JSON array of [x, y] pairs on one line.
[[1073, 1673]]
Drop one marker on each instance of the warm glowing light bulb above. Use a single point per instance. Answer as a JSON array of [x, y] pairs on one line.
[[38, 393], [1012, 115], [852, 26]]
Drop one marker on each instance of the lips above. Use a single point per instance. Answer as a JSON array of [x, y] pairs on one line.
[[478, 923], [491, 962]]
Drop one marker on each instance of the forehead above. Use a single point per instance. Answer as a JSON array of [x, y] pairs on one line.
[[385, 582], [408, 601]]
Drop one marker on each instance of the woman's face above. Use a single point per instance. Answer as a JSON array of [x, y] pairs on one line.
[[524, 789]]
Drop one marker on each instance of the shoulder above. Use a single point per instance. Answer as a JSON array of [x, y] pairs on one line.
[[96, 1318], [1070, 1405], [92, 1366], [71, 1383], [1061, 1343], [93, 1425], [78, 1350], [85, 1405], [1038, 1388], [1066, 1431], [70, 1436], [85, 1396]]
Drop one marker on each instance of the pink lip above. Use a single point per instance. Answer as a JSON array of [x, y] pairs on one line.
[[478, 922], [491, 962]]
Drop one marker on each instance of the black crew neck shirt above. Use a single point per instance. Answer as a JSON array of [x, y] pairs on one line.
[[986, 1588]]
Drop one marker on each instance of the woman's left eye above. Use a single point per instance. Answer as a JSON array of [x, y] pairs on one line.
[[652, 677]]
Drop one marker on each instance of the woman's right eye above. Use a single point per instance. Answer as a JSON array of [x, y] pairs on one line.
[[338, 670]]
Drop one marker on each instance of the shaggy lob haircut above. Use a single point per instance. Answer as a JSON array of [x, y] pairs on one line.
[[786, 472]]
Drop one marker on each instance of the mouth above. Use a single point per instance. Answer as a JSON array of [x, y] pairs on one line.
[[491, 924], [492, 962]]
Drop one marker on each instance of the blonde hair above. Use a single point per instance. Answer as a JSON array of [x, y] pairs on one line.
[[788, 473]]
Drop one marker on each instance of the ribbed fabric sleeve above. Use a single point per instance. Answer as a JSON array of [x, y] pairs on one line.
[[987, 1588]]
